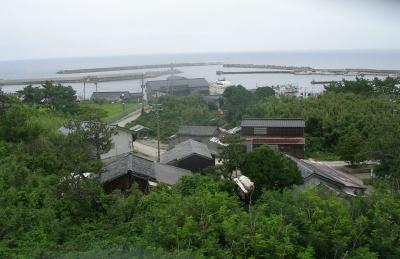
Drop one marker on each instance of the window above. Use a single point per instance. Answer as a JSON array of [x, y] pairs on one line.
[[260, 131]]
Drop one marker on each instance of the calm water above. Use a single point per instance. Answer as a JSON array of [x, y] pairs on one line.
[[332, 59]]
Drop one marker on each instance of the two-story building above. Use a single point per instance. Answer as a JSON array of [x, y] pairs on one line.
[[286, 135]]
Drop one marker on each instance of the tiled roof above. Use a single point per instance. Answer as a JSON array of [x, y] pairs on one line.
[[131, 164], [284, 123], [125, 164], [207, 131], [308, 168], [186, 149], [169, 174]]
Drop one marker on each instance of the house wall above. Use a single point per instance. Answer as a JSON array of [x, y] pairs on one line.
[[121, 144], [275, 132], [203, 90], [193, 163], [123, 183], [295, 150]]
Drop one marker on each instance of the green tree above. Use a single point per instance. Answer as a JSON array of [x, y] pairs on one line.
[[232, 155], [16, 126], [32, 95], [350, 147], [93, 131], [270, 169], [55, 96]]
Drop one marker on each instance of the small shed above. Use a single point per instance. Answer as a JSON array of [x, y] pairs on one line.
[[140, 131]]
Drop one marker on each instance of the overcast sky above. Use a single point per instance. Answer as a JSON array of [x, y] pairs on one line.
[[65, 28]]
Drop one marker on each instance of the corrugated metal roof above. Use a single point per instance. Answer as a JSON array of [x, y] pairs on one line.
[[186, 149], [275, 123], [207, 131]]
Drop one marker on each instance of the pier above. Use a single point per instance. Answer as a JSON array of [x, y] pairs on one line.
[[314, 82], [122, 68], [90, 79]]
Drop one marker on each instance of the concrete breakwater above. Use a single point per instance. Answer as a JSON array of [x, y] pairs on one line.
[[298, 70], [121, 68], [90, 79], [219, 72], [266, 66]]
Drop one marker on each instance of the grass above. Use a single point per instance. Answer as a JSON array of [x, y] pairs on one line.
[[48, 120], [115, 111]]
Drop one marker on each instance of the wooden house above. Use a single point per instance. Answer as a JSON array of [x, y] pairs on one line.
[[286, 135], [190, 154], [129, 169], [201, 134]]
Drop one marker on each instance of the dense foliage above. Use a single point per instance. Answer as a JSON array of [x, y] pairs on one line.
[[270, 169], [49, 208], [55, 96], [176, 112], [341, 123]]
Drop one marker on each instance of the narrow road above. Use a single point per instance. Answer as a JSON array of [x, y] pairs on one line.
[[129, 118]]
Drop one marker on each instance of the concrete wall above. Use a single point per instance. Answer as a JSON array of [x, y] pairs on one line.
[[121, 144]]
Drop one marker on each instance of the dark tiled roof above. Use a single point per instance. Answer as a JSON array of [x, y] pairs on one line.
[[142, 167], [169, 174], [188, 82], [284, 123], [308, 168], [125, 164], [207, 131], [186, 149]]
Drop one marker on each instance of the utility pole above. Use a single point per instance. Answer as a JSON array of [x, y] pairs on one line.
[[157, 108], [142, 93], [95, 83], [84, 89]]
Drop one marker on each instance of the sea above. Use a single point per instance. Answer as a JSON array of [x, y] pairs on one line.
[[43, 68]]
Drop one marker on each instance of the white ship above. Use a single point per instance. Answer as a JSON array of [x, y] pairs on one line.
[[218, 87]]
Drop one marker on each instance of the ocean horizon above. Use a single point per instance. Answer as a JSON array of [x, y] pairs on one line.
[[46, 68]]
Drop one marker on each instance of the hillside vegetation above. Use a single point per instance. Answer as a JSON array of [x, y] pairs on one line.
[[49, 209]]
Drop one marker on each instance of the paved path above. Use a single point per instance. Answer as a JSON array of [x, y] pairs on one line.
[[129, 118]]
